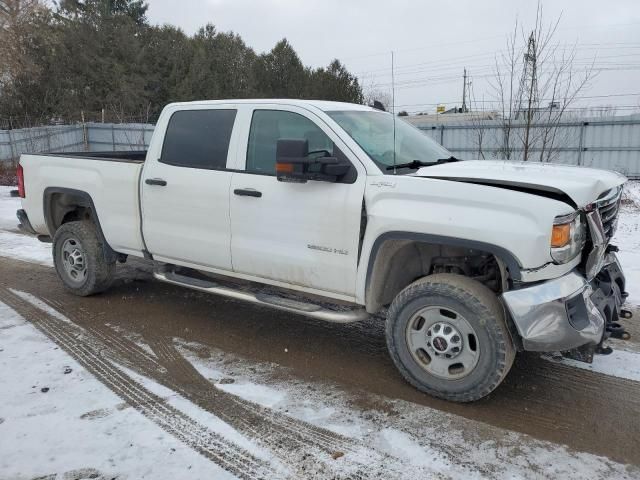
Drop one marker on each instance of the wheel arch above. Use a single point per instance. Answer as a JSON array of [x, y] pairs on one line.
[[62, 205], [398, 258]]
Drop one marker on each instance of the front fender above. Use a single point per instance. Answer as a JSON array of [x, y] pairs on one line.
[[512, 225]]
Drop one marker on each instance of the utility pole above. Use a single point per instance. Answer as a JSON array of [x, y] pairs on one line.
[[464, 92], [393, 109]]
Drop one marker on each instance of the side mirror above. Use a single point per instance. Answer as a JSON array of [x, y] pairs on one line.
[[294, 165], [291, 156]]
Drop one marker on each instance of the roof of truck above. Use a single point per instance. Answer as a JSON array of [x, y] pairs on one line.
[[324, 105]]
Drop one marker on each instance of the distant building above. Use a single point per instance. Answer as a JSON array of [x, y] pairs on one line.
[[450, 116]]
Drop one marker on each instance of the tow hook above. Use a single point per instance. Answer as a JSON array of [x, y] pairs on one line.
[[626, 314], [617, 331]]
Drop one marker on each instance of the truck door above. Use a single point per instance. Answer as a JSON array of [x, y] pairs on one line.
[[185, 192], [304, 234]]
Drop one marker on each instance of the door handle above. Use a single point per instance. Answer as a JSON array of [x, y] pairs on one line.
[[156, 181], [247, 192]]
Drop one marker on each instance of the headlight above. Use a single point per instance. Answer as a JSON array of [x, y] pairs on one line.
[[567, 237]]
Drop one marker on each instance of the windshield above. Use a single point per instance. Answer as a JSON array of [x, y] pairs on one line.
[[373, 131]]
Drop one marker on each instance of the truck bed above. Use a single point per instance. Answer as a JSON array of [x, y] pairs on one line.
[[110, 179]]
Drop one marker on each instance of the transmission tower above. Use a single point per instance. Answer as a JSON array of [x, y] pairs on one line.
[[529, 80], [529, 88]]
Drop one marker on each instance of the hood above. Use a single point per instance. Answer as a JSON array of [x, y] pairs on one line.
[[581, 185]]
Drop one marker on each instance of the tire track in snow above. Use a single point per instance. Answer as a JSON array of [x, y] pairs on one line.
[[170, 369], [297, 444], [71, 338]]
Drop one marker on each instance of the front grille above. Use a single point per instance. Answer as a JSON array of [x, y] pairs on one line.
[[608, 207]]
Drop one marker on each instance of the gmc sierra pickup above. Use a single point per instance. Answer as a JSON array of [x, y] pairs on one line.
[[336, 211]]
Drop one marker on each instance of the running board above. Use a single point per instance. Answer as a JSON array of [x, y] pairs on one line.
[[289, 305]]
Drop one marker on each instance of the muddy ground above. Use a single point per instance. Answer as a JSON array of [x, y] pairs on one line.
[[586, 411]]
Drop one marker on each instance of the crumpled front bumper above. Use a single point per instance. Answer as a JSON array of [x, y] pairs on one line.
[[567, 312]]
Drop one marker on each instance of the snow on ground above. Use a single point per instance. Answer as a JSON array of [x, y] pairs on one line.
[[419, 435], [78, 425], [13, 244], [23, 247], [8, 207], [621, 363], [627, 238]]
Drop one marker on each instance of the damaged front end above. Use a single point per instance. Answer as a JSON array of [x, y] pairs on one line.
[[575, 313]]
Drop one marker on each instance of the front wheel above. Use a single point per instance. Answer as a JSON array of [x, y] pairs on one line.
[[79, 258], [448, 336]]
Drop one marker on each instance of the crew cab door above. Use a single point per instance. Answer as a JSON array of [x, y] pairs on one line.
[[300, 234], [185, 189]]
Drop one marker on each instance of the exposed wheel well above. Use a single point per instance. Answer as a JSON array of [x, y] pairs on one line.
[[65, 205], [398, 262]]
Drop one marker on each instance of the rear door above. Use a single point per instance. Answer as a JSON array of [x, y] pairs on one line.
[[185, 192], [302, 234]]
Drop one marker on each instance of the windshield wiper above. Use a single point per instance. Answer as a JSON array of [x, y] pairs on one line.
[[415, 164]]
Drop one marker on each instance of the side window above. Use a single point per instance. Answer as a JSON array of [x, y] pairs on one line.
[[268, 126], [198, 138]]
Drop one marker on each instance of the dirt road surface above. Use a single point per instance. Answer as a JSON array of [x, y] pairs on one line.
[[584, 410]]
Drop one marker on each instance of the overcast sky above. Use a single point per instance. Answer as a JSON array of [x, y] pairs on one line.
[[433, 40]]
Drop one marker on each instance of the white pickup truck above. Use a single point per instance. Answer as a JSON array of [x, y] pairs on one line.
[[329, 210]]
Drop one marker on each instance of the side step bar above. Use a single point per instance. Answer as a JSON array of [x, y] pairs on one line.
[[265, 299]]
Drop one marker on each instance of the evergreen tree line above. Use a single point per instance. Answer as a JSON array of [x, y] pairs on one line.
[[93, 55]]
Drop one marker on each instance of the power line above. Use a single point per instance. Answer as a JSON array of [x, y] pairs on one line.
[[412, 83], [493, 37], [583, 97], [450, 63]]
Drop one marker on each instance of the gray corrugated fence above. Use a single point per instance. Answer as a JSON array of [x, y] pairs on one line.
[[610, 143], [60, 138], [122, 136], [90, 137]]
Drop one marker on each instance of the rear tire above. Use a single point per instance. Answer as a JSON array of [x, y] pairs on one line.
[[448, 336], [79, 258]]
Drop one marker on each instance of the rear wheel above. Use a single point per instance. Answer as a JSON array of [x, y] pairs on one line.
[[79, 258], [448, 336]]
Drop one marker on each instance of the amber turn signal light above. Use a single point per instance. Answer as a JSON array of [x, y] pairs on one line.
[[284, 167], [560, 235]]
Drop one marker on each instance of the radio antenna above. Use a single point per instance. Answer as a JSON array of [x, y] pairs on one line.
[[393, 111]]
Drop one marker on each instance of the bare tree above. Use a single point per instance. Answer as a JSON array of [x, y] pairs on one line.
[[478, 119], [536, 81], [12, 10], [12, 14], [508, 92], [373, 92]]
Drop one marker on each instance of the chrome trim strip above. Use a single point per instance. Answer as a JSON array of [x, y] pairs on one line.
[[595, 258], [612, 197], [280, 303], [562, 219]]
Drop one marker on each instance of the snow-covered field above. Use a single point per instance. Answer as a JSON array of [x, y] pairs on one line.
[[628, 239], [12, 243], [58, 420]]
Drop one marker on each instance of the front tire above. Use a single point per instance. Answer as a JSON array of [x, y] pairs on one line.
[[79, 259], [448, 336]]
